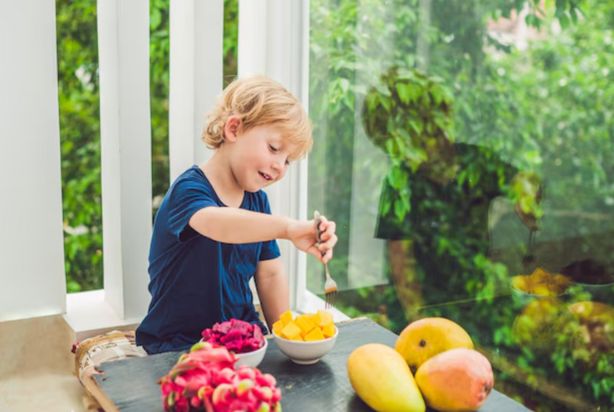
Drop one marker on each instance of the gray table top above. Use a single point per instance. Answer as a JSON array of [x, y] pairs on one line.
[[132, 383]]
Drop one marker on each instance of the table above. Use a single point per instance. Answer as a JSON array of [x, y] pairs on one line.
[[132, 383]]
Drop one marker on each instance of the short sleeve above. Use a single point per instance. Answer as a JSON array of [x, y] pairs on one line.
[[187, 198], [270, 249]]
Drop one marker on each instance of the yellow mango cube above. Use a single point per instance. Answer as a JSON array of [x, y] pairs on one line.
[[329, 330], [325, 318], [305, 323], [314, 317], [315, 334], [285, 317], [291, 331], [278, 327]]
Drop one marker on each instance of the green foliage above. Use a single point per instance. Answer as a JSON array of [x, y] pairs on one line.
[[231, 39], [80, 143], [159, 49], [409, 117]]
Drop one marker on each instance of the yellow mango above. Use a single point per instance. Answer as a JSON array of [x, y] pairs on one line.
[[291, 331], [305, 323], [286, 317], [325, 318], [427, 337], [380, 376], [313, 317], [278, 327], [315, 334], [328, 330]]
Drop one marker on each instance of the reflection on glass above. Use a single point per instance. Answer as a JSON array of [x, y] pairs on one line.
[[465, 151]]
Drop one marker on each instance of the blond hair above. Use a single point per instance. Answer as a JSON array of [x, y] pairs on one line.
[[259, 101]]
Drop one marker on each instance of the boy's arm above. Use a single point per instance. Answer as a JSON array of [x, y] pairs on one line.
[[232, 225], [272, 286]]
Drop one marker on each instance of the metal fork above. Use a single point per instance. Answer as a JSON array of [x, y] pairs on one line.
[[330, 286]]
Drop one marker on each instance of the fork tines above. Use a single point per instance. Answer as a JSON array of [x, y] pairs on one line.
[[329, 298]]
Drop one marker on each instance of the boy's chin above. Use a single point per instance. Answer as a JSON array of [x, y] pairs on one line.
[[253, 188], [256, 186]]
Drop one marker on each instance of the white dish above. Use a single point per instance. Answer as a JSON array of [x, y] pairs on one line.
[[253, 358], [306, 353]]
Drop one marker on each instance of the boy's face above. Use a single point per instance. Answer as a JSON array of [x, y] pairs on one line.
[[259, 157]]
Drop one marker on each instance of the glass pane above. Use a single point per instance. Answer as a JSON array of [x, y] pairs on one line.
[[466, 152]]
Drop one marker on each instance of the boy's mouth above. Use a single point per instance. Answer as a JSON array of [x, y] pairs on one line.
[[265, 176]]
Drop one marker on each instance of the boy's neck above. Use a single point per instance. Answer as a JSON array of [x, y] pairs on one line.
[[222, 179]]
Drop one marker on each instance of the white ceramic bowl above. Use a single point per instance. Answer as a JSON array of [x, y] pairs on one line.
[[305, 353], [253, 358]]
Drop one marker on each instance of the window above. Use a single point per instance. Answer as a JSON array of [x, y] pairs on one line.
[[464, 150]]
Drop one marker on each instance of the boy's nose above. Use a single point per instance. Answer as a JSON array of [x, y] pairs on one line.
[[278, 164], [279, 168]]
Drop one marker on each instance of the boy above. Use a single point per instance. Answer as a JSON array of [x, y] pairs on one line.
[[214, 229]]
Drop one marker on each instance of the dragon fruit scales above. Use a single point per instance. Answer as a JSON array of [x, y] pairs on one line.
[[236, 335], [204, 379]]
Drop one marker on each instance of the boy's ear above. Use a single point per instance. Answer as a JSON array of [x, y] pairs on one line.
[[232, 128]]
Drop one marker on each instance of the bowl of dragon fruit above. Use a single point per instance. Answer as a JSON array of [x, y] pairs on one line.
[[243, 339]]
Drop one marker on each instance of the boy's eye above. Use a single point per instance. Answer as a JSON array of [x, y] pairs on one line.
[[287, 162], [273, 148]]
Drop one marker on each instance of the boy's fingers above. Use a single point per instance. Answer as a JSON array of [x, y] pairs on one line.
[[329, 244], [328, 240], [313, 250], [332, 241], [328, 256], [327, 229], [327, 225]]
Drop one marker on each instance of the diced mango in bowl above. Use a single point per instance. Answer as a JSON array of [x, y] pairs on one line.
[[306, 327]]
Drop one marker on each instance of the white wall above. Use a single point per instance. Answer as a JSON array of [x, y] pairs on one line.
[[31, 245]]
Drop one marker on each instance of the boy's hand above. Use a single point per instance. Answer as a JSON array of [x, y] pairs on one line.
[[302, 233]]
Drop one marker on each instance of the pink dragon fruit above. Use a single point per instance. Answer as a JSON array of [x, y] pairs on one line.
[[236, 335], [250, 391], [204, 379]]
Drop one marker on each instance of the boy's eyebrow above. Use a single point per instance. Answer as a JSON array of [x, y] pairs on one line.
[[277, 138], [279, 141], [286, 145]]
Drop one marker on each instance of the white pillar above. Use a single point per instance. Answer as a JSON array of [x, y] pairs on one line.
[[196, 77], [32, 279], [274, 41], [123, 40]]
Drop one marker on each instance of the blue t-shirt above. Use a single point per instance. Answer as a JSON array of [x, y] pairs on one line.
[[196, 281]]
